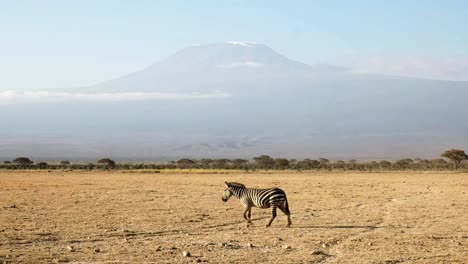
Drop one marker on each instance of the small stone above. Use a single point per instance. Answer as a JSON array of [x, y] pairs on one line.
[[286, 247], [71, 248], [186, 254], [324, 245], [280, 239], [317, 252], [97, 250], [61, 260], [158, 248], [249, 245], [370, 243], [198, 260]]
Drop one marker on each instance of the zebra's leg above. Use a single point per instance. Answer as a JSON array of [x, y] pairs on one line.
[[289, 220], [249, 214], [273, 216], [246, 210], [285, 209]]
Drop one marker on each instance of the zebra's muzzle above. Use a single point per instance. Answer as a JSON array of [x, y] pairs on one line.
[[224, 199]]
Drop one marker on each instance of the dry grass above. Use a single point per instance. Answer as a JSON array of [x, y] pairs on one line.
[[186, 171], [141, 217]]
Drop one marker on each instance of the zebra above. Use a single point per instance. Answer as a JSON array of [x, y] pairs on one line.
[[261, 198]]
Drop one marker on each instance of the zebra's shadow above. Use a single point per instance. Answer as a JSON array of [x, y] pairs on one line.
[[254, 222], [371, 227]]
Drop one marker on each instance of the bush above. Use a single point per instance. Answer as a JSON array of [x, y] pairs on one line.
[[41, 165], [108, 163], [23, 161]]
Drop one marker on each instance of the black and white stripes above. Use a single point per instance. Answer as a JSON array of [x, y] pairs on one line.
[[262, 198]]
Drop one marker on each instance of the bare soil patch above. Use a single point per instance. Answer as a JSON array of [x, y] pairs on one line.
[[115, 217]]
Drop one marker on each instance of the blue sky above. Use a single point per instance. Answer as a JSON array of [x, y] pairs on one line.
[[54, 44]]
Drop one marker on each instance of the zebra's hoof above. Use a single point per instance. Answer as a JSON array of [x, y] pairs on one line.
[[267, 225]]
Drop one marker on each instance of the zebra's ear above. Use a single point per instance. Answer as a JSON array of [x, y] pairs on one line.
[[226, 183]]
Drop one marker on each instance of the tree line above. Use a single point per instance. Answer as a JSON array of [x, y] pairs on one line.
[[450, 159]]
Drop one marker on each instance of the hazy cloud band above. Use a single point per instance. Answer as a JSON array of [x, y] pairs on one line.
[[454, 68], [33, 97]]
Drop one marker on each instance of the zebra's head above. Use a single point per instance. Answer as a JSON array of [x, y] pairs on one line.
[[232, 188], [227, 193]]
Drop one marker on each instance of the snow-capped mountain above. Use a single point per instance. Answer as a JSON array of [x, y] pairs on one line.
[[218, 66]]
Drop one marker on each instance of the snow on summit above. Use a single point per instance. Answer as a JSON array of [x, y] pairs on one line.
[[242, 43]]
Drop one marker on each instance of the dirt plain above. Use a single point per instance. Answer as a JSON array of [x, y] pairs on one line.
[[338, 217]]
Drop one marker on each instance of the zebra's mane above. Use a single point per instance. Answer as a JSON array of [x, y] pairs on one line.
[[235, 184]]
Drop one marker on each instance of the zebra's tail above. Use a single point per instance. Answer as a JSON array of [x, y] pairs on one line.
[[286, 206]]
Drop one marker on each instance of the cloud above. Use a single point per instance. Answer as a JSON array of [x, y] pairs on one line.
[[34, 97], [455, 69]]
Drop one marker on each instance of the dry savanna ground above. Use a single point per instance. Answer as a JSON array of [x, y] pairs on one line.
[[342, 217]]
